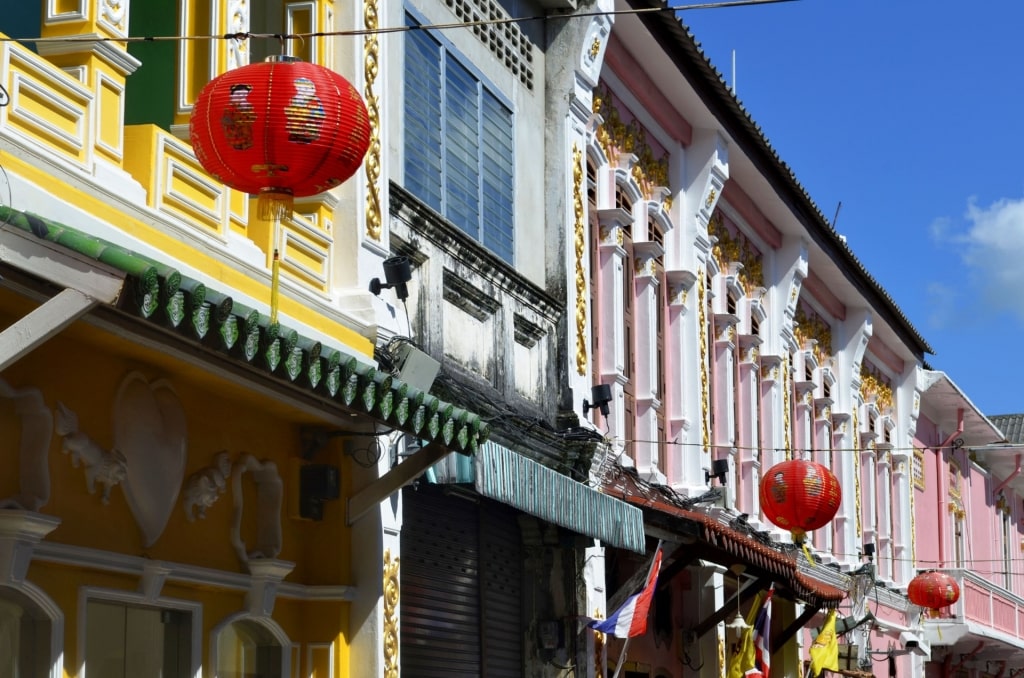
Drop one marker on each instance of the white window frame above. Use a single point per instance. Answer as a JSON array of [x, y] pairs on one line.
[[55, 616], [87, 593], [487, 92], [287, 647]]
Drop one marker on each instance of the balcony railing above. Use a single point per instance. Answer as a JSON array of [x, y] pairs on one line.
[[986, 604], [51, 122]]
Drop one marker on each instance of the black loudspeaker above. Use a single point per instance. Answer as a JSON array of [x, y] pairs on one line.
[[317, 483]]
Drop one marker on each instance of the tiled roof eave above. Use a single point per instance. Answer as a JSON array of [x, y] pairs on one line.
[[695, 66], [159, 294]]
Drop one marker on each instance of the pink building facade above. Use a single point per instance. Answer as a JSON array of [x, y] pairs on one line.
[[734, 329]]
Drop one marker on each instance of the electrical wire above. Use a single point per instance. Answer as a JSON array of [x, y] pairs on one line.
[[793, 450], [391, 29]]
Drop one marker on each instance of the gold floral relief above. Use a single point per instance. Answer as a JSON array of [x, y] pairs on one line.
[[786, 423], [913, 530], [875, 386], [856, 472], [616, 136], [736, 248], [579, 241], [705, 394], [371, 55], [812, 326], [391, 593]]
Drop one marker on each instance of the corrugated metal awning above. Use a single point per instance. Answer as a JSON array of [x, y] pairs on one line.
[[508, 477]]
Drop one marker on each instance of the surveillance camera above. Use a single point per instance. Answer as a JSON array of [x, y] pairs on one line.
[[914, 644]]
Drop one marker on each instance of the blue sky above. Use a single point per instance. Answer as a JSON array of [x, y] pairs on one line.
[[910, 113]]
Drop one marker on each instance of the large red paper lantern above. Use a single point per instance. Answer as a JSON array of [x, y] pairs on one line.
[[800, 496], [933, 590], [280, 129]]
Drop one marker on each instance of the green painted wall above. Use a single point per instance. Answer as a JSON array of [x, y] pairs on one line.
[[149, 97]]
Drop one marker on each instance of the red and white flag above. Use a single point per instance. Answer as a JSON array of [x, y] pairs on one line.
[[631, 619], [762, 639]]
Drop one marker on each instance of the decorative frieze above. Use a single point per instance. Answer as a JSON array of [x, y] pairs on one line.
[[736, 248], [617, 137]]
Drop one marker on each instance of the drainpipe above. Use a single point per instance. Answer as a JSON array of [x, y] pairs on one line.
[[939, 473], [1016, 472]]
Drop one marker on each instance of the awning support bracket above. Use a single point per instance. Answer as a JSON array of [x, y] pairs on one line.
[[745, 595], [787, 634], [398, 477]]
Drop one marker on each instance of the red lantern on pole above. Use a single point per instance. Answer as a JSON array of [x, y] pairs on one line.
[[280, 129], [933, 590], [800, 495]]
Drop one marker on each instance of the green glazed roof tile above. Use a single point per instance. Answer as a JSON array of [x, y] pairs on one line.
[[161, 295]]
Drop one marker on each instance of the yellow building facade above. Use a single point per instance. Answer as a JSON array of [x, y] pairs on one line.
[[188, 488]]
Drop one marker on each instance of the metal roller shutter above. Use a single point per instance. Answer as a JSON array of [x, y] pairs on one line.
[[461, 588]]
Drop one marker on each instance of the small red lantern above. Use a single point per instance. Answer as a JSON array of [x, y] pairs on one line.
[[280, 129], [800, 495], [933, 590]]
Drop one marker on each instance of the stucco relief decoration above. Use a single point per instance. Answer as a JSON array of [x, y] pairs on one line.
[[238, 23], [579, 244], [150, 431], [391, 593], [705, 391], [113, 13], [875, 387], [371, 66], [592, 46], [269, 493], [102, 467], [734, 247], [786, 404], [809, 326], [617, 135], [36, 432], [205, 487]]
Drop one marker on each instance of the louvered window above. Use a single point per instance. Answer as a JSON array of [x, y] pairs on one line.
[[458, 143]]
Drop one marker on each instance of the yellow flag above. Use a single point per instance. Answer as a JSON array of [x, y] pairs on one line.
[[741, 659], [825, 648]]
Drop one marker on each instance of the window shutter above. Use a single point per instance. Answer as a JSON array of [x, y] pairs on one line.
[[496, 140], [423, 170], [462, 154]]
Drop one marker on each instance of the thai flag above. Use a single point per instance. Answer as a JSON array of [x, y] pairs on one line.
[[762, 639], [631, 619]]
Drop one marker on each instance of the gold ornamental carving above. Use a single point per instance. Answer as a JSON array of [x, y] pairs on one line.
[[811, 326], [705, 395], [595, 48], [875, 386], [391, 591], [786, 423], [856, 471], [617, 137], [580, 244], [736, 248], [371, 63]]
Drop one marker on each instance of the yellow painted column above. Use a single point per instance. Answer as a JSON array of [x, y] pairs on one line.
[[98, 58]]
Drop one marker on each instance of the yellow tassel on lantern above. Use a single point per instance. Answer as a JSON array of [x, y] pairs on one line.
[[275, 285], [274, 204]]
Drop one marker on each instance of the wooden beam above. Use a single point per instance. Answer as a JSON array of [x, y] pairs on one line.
[[38, 326], [59, 265], [398, 477], [745, 594], [787, 634]]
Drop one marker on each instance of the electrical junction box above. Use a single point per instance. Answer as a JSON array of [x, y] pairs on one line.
[[415, 367]]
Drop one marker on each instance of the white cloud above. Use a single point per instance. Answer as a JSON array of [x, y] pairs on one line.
[[992, 249]]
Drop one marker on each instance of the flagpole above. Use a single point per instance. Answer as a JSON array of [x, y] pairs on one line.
[[625, 645], [622, 658]]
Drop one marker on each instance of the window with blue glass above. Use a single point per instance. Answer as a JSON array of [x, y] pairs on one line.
[[458, 143]]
